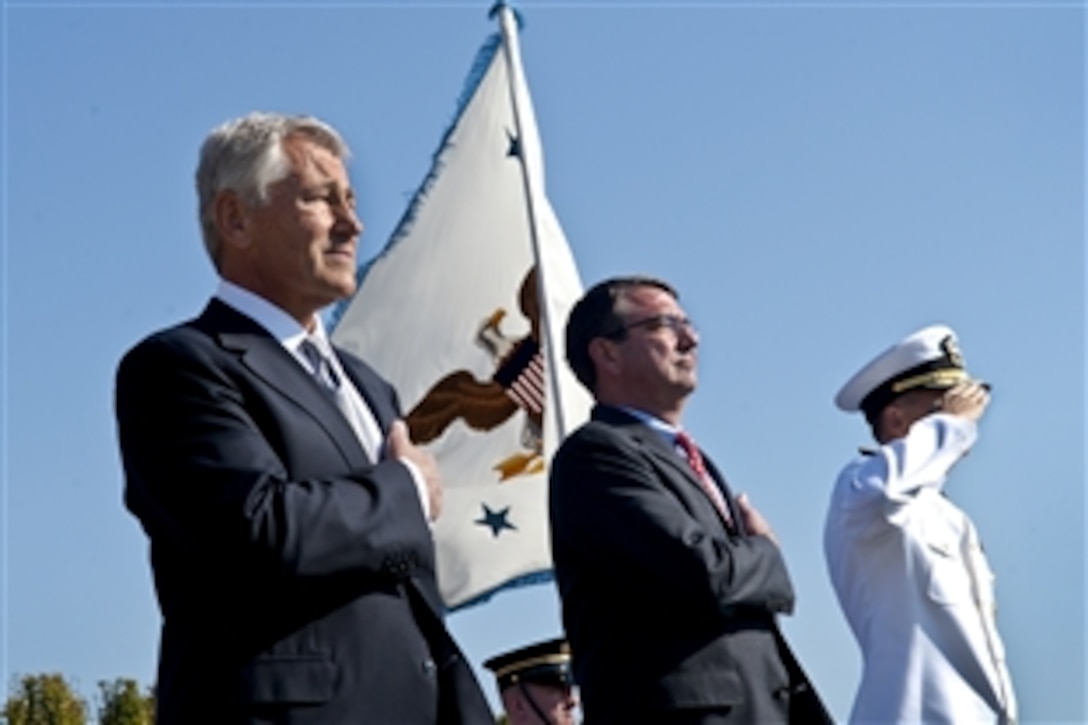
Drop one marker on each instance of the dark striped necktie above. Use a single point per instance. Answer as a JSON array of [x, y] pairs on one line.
[[362, 421], [322, 368]]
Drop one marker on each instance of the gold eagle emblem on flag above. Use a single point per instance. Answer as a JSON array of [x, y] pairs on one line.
[[517, 384]]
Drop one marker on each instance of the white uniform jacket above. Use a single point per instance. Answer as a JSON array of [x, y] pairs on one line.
[[914, 585]]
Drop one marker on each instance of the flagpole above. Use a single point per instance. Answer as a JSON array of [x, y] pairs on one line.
[[512, 54]]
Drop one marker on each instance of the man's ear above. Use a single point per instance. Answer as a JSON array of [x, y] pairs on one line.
[[893, 422], [514, 704], [521, 707], [605, 355], [232, 219]]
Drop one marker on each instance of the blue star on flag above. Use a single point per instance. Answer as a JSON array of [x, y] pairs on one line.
[[495, 520]]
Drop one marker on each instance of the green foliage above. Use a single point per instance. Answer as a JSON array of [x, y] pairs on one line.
[[122, 703], [46, 699]]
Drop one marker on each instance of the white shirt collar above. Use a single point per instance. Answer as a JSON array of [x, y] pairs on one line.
[[279, 324], [665, 429]]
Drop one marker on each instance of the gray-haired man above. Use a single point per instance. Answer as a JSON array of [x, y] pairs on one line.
[[286, 507]]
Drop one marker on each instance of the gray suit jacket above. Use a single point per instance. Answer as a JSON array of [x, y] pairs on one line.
[[670, 616], [295, 576]]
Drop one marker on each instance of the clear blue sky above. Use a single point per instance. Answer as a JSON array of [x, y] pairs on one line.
[[818, 179]]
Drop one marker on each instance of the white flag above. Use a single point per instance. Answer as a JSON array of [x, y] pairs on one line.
[[463, 312]]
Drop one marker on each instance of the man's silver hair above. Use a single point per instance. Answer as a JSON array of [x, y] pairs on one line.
[[246, 156]]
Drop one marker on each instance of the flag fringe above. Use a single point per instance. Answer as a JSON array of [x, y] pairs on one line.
[[476, 74], [543, 576]]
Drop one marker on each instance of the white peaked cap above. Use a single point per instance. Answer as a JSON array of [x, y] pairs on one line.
[[928, 358]]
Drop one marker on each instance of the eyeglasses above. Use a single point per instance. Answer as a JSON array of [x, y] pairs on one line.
[[676, 323]]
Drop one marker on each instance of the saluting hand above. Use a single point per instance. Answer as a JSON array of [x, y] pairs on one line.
[[967, 400], [401, 446]]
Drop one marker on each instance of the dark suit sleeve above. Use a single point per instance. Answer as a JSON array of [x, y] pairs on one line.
[[618, 521], [226, 475]]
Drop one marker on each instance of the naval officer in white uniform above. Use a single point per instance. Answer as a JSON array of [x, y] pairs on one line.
[[905, 562]]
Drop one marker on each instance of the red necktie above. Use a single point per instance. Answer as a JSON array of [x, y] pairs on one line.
[[695, 458]]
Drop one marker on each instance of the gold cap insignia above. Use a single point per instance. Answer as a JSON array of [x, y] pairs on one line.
[[952, 349]]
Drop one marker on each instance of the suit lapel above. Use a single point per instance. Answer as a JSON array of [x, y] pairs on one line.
[[369, 386], [730, 501], [656, 446], [265, 357]]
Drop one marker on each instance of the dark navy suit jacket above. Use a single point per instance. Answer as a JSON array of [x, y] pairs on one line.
[[670, 615], [295, 576]]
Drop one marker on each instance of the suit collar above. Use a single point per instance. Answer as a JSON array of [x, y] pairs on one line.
[[270, 361], [653, 442], [650, 439], [279, 324], [614, 415]]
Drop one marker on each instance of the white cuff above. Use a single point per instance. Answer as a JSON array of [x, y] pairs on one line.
[[421, 487]]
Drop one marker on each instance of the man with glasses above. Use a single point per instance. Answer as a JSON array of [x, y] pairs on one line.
[[670, 585], [905, 561]]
